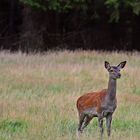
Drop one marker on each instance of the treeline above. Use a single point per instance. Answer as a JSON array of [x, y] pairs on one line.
[[41, 25]]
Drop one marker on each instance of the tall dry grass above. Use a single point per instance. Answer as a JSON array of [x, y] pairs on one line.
[[38, 93]]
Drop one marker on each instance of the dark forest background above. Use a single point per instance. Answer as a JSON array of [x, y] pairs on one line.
[[41, 25]]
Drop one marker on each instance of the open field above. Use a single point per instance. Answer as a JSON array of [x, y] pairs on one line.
[[38, 94]]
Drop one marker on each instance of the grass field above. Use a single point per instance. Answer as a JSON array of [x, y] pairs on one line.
[[38, 94]]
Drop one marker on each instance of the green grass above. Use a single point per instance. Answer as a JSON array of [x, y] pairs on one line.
[[38, 94], [13, 126]]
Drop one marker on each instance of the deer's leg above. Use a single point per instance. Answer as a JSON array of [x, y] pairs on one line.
[[100, 120], [81, 121], [108, 124], [86, 121]]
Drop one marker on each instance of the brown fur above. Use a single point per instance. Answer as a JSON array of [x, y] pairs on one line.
[[89, 100]]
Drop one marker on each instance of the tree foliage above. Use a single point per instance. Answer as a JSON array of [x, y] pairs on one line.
[[71, 24], [114, 7], [56, 5]]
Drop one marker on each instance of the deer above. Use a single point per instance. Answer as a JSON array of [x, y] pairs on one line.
[[100, 104]]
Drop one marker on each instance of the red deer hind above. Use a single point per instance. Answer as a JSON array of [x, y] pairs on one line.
[[100, 104]]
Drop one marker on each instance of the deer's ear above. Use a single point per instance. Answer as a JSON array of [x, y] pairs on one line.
[[122, 65], [107, 65]]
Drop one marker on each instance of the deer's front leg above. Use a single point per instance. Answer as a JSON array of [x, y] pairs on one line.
[[100, 120], [108, 124]]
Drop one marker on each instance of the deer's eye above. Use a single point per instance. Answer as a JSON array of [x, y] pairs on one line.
[[111, 70]]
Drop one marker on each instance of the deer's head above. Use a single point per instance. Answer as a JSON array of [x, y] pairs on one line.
[[114, 71]]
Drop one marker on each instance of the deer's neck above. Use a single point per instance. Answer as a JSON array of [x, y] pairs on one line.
[[111, 89]]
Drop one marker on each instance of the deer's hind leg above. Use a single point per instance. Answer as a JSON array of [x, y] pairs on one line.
[[81, 121], [84, 120]]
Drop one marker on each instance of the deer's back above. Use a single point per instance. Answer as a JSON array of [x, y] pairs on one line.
[[91, 100]]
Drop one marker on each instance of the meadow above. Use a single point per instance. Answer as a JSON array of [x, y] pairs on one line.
[[38, 94]]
